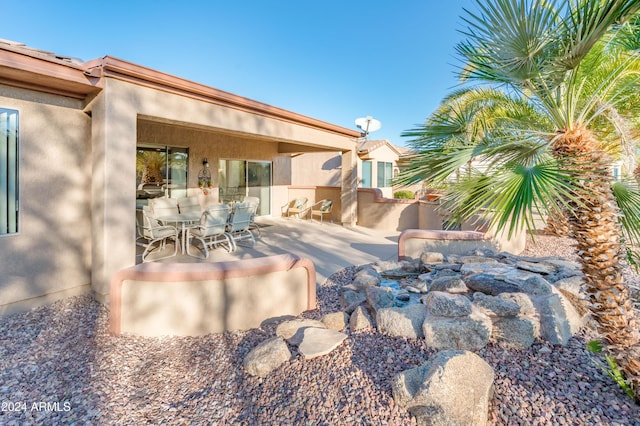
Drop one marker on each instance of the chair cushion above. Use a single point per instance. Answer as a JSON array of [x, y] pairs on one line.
[[300, 202], [326, 205]]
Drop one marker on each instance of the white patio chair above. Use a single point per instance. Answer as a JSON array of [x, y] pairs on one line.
[[150, 231], [255, 203], [189, 205], [211, 231], [164, 207], [238, 227]]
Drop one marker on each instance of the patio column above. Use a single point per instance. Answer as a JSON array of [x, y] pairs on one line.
[[349, 188], [113, 152]]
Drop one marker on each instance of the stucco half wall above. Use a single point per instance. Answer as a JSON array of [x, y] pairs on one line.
[[153, 299]]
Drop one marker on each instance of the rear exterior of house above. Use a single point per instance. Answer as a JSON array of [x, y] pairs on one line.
[[82, 144]]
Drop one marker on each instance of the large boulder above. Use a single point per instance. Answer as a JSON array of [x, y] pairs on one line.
[[452, 388], [350, 300], [360, 320], [405, 322], [516, 332], [379, 297], [336, 320], [444, 304], [266, 357], [367, 277], [467, 333], [554, 325], [504, 304], [451, 284]]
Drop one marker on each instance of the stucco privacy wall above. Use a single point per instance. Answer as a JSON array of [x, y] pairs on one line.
[[115, 114], [49, 257]]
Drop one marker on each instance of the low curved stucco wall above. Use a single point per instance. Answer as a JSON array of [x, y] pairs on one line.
[[413, 242], [186, 299]]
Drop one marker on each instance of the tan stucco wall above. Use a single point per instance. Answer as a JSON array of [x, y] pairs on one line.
[[49, 258], [326, 168], [377, 212], [116, 115]]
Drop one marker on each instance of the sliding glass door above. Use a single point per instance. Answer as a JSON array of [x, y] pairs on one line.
[[161, 171], [240, 178]]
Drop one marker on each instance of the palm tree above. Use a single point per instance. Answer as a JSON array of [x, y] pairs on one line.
[[549, 100]]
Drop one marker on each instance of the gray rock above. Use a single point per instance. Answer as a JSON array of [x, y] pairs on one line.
[[575, 319], [537, 267], [266, 357], [431, 257], [455, 267], [360, 320], [379, 297], [496, 306], [485, 267], [317, 342], [350, 300], [405, 322], [336, 320], [477, 259], [490, 284], [468, 333], [292, 330], [450, 284], [447, 305], [573, 285], [516, 332], [452, 388], [530, 283], [554, 326], [367, 277]]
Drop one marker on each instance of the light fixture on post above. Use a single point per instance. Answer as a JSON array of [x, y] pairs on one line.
[[205, 162]]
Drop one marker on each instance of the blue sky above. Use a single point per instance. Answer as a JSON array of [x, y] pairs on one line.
[[335, 60]]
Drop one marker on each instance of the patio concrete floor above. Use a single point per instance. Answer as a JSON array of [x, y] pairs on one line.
[[331, 247]]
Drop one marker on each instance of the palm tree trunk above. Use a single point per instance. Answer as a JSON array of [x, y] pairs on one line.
[[557, 223], [597, 231]]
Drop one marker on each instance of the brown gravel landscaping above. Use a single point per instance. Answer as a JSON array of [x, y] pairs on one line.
[[59, 365]]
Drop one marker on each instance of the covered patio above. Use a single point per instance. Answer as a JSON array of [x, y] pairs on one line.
[[329, 246]]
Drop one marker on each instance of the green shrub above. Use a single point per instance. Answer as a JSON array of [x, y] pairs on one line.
[[404, 194]]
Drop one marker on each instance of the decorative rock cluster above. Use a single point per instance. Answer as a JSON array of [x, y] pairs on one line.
[[463, 302], [457, 304], [313, 339]]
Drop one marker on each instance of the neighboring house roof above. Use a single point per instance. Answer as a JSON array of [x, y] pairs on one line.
[[369, 146], [33, 69]]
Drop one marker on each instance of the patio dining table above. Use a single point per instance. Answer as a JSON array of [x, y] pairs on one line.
[[183, 219]]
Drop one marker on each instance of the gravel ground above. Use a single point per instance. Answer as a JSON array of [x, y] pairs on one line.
[[59, 365]]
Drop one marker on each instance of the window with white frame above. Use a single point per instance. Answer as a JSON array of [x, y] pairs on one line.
[[385, 173], [8, 171]]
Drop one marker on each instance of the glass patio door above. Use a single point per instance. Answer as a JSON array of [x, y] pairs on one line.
[[161, 171], [259, 184], [240, 178]]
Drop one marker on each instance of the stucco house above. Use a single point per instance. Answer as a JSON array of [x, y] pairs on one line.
[[377, 165], [77, 141]]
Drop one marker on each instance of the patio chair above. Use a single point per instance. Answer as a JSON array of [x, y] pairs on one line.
[[150, 231], [238, 226], [255, 203], [164, 207], [322, 208], [295, 207], [189, 205], [211, 231]]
